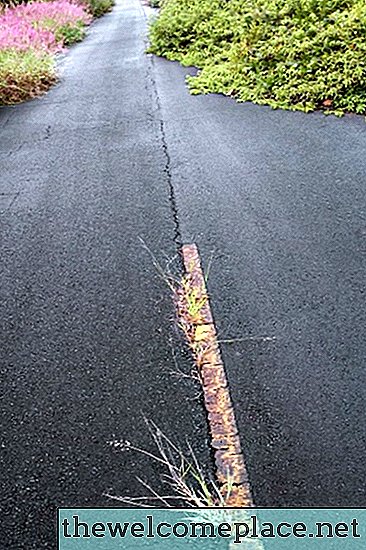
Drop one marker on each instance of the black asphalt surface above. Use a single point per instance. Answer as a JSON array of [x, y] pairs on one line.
[[279, 199], [119, 151], [88, 338]]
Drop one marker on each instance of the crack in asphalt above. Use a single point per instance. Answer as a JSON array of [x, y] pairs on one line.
[[167, 168], [47, 132], [152, 85]]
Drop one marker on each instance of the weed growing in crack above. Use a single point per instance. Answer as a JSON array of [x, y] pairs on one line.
[[190, 304], [192, 311], [188, 486], [182, 474]]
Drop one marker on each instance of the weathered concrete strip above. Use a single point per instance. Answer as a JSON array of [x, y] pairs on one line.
[[231, 470]]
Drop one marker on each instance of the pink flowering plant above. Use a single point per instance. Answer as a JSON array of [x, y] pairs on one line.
[[19, 34], [44, 26], [29, 36], [64, 19]]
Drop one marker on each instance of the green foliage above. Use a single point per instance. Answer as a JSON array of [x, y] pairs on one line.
[[155, 3], [294, 54], [24, 74], [71, 33], [99, 7]]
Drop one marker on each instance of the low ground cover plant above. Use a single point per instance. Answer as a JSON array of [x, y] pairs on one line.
[[98, 7], [24, 74], [30, 34], [294, 54]]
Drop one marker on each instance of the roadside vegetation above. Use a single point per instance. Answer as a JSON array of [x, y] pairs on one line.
[[293, 54], [30, 36], [99, 7]]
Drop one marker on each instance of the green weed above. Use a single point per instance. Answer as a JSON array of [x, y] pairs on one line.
[[182, 473]]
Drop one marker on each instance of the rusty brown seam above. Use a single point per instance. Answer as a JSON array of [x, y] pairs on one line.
[[231, 471]]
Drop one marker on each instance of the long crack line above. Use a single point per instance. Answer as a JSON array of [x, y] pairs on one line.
[[164, 145]]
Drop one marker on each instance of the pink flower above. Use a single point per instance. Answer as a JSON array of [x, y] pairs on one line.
[[34, 25]]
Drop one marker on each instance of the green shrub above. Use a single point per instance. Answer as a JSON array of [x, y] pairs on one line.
[[24, 74], [71, 33], [294, 54], [99, 7]]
